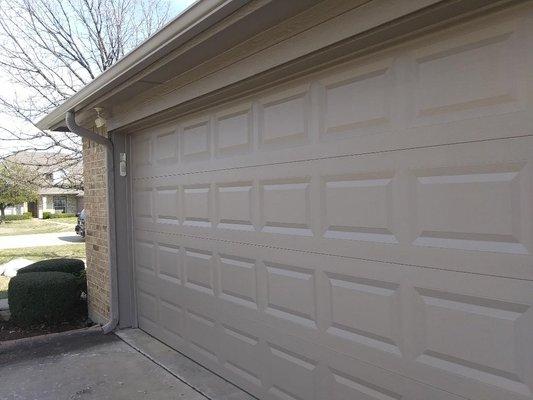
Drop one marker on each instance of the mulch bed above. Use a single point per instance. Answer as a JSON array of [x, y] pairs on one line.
[[11, 331]]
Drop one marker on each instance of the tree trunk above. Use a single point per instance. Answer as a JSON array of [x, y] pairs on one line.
[[2, 211]]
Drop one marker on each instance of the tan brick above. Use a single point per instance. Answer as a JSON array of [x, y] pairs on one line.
[[94, 161]]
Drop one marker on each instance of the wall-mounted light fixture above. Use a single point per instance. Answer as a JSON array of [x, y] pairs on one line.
[[100, 121]]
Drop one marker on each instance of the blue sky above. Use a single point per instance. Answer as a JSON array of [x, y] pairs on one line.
[[180, 5]]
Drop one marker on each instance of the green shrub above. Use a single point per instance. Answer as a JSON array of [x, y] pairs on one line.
[[68, 265], [37, 297], [65, 215], [49, 215], [26, 215]]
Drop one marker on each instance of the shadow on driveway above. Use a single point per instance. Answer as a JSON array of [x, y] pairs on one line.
[[72, 239]]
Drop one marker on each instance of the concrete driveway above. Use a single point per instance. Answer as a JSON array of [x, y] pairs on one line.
[[92, 366], [38, 240]]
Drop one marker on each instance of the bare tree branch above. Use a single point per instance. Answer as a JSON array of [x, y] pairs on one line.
[[52, 48]]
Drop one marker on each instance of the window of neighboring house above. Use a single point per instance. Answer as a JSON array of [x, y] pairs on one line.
[[60, 203]]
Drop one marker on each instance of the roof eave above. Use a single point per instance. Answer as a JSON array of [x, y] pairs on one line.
[[198, 17]]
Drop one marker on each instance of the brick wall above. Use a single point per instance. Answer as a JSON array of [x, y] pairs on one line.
[[94, 174]]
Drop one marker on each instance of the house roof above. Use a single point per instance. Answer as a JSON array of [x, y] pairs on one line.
[[194, 19], [48, 163], [129, 75], [210, 28], [59, 191]]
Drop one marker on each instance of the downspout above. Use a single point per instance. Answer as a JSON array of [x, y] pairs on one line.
[[70, 119]]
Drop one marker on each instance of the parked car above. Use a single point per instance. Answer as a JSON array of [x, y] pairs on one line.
[[80, 226]]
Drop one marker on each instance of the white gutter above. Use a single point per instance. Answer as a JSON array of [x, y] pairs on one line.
[[70, 120]]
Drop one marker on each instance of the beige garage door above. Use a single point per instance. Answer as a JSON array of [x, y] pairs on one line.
[[363, 233]]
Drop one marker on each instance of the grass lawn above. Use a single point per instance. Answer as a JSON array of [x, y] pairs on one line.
[[36, 254], [30, 226], [41, 253]]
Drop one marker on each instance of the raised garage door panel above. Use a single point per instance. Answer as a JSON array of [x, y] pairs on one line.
[[363, 233], [458, 207]]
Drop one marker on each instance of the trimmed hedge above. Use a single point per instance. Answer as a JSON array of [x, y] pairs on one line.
[[68, 265], [49, 215], [37, 297], [26, 215]]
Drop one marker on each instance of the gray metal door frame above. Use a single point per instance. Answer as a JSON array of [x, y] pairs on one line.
[[124, 234]]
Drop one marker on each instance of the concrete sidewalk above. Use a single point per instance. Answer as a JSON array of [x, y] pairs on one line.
[[88, 365], [39, 240]]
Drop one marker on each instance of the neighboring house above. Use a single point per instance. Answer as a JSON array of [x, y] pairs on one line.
[[51, 200], [322, 199], [50, 172], [58, 200]]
